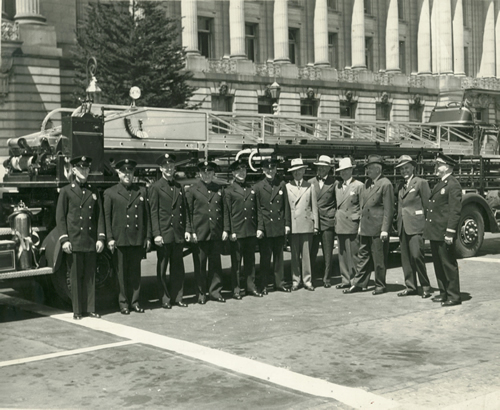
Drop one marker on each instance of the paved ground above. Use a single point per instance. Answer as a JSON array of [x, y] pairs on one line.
[[305, 350]]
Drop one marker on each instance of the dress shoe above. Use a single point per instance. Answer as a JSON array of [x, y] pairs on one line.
[[137, 309], [283, 289], [327, 285], [181, 304], [294, 288], [426, 295], [257, 294], [202, 300], [166, 306], [311, 288], [237, 296], [218, 299], [94, 315], [352, 289], [342, 286], [438, 299], [77, 316], [407, 292], [264, 291], [451, 303], [379, 291], [125, 311]]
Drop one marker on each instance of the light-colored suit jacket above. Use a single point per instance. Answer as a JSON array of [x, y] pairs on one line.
[[301, 209], [348, 209]]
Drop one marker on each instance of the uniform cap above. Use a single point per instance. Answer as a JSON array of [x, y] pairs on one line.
[[207, 165], [267, 162], [238, 164], [445, 159], [81, 161], [166, 159], [405, 159], [126, 165]]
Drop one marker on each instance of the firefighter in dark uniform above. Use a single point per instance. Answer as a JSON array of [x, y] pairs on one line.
[[240, 223], [271, 198], [168, 220], [441, 224], [80, 221], [205, 224], [128, 231]]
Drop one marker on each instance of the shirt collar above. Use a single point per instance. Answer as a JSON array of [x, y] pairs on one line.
[[348, 181], [445, 176]]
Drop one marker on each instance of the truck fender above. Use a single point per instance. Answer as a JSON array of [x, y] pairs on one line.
[[476, 199], [53, 249]]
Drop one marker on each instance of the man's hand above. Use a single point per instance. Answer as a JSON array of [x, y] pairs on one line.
[[99, 246], [260, 234], [225, 235], [316, 231], [111, 245], [233, 237], [448, 240], [384, 236], [158, 240], [147, 244], [194, 238], [187, 236], [67, 247], [287, 230]]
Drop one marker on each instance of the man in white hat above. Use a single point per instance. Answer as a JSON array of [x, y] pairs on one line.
[[301, 220], [347, 221], [324, 186], [413, 197]]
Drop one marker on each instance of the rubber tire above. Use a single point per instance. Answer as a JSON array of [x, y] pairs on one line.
[[465, 250]]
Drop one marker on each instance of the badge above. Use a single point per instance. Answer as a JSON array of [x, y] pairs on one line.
[[252, 191], [219, 193], [141, 198], [94, 196], [419, 212], [280, 192], [412, 190], [443, 191]]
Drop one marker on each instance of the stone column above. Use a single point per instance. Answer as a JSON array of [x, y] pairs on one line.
[[237, 28], [392, 38], [488, 59], [281, 32], [458, 38], [321, 34], [497, 41], [424, 40], [189, 14], [435, 36], [445, 37], [358, 35], [28, 12]]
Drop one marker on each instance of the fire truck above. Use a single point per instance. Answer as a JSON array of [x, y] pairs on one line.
[[38, 165]]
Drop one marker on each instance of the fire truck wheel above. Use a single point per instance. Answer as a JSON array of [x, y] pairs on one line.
[[470, 233], [60, 281]]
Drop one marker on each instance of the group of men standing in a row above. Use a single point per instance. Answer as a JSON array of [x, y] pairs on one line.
[[206, 214]]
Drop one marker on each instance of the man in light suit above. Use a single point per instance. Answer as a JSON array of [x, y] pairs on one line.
[[324, 186], [413, 198], [302, 221], [377, 210], [347, 221], [441, 225]]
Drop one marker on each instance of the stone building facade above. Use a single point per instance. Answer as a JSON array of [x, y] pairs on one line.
[[361, 59]]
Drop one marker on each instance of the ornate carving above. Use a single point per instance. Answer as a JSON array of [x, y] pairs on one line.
[[10, 30], [417, 81], [225, 66], [268, 69], [485, 83], [309, 73], [383, 78], [350, 76]]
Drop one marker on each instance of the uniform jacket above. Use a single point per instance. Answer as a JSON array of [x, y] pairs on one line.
[[348, 208], [412, 206], [377, 207], [240, 212], [80, 218], [271, 201], [326, 202], [443, 213], [205, 211], [301, 210], [168, 211], [126, 212]]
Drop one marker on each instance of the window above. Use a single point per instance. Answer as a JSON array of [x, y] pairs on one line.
[[205, 37], [333, 49], [369, 53], [332, 4], [402, 56], [347, 109], [308, 107], [265, 106], [293, 45], [368, 7], [383, 111], [9, 9], [401, 9], [221, 103], [466, 61], [251, 41], [482, 115], [416, 112]]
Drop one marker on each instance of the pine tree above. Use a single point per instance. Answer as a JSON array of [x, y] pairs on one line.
[[135, 44]]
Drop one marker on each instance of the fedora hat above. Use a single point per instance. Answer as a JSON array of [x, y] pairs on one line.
[[296, 164], [324, 160], [405, 159], [345, 163], [374, 159]]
